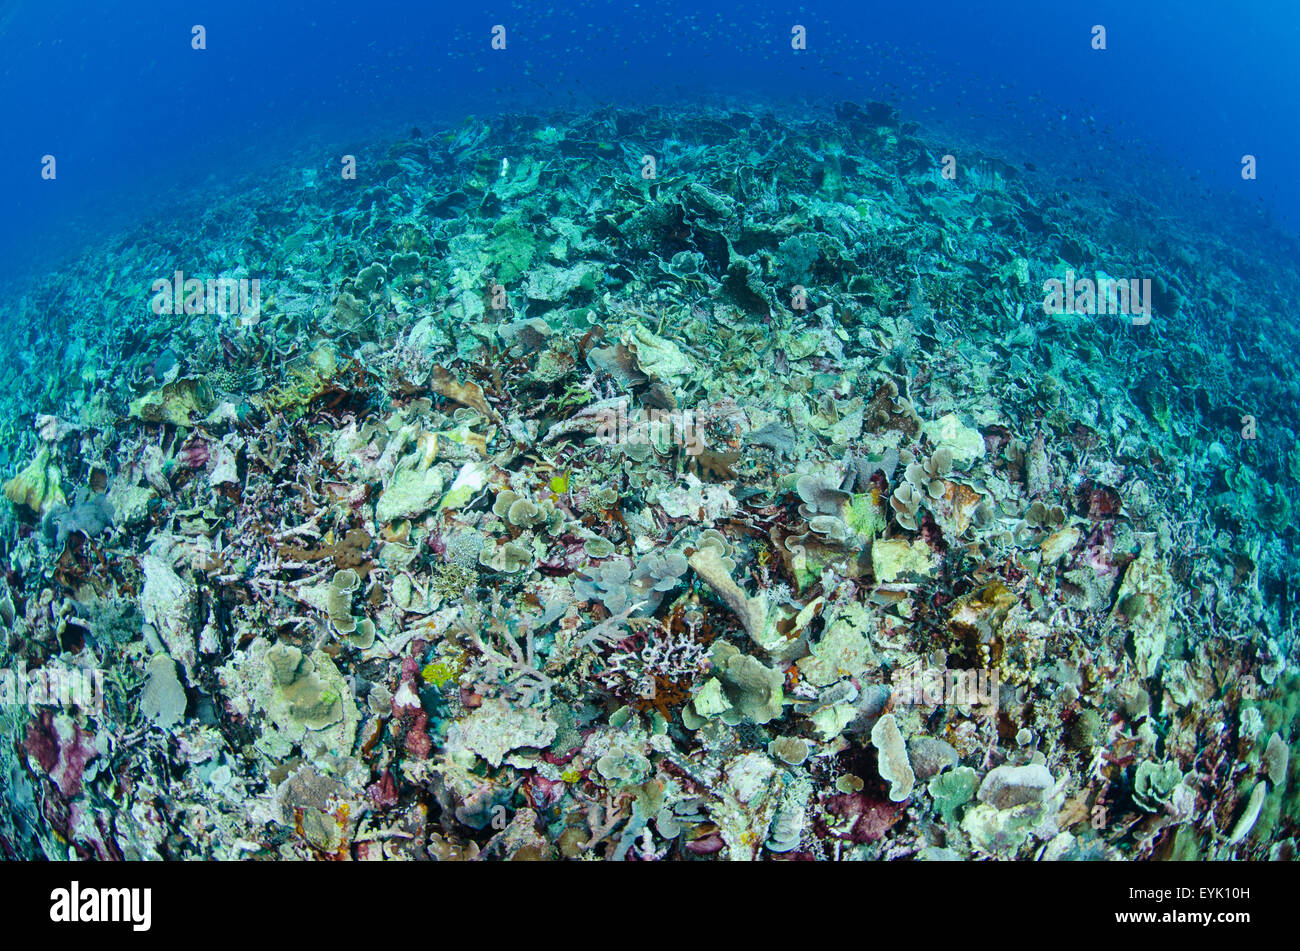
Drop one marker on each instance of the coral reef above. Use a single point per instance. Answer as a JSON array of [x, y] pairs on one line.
[[540, 517]]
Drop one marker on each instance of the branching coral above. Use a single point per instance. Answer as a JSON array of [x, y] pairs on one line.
[[656, 668]]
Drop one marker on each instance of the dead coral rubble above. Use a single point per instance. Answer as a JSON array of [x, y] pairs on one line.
[[539, 516]]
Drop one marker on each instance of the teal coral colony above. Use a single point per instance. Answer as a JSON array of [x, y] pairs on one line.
[[537, 506]]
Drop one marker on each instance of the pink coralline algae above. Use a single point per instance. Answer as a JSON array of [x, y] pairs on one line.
[[61, 748], [544, 792], [418, 743], [407, 709], [870, 818], [383, 793], [194, 454], [707, 845], [1099, 549]]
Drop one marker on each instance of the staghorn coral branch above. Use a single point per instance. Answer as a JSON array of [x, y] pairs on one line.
[[602, 827]]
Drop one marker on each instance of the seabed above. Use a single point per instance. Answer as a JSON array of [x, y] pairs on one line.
[[533, 502]]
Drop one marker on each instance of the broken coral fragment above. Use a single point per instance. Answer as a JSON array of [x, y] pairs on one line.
[[830, 720], [182, 402], [37, 487], [952, 790], [964, 443], [307, 702], [163, 699], [930, 756], [467, 394], [791, 750], [303, 695], [752, 612], [1276, 758], [821, 494], [892, 761], [892, 558], [412, 491], [508, 558], [497, 727], [659, 359], [1251, 814], [843, 651], [469, 482], [169, 604], [753, 690], [1144, 605], [787, 827], [710, 700], [906, 503], [1057, 545], [1154, 784], [1008, 786], [693, 499]]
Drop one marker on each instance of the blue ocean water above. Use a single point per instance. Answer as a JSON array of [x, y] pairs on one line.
[[509, 366], [131, 112]]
